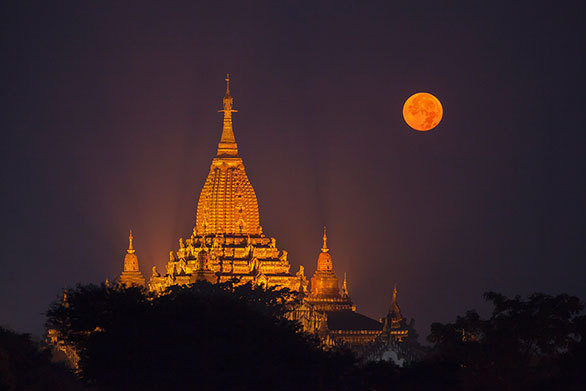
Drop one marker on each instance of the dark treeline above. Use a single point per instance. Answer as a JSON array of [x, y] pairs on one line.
[[24, 365], [533, 344], [226, 337], [206, 336]]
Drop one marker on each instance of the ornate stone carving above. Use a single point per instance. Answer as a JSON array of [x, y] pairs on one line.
[[283, 256], [131, 274], [227, 223]]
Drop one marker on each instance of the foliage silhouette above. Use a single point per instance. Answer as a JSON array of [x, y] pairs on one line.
[[24, 365], [521, 346], [222, 337], [208, 336]]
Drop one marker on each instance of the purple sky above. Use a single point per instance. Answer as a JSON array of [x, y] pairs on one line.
[[110, 121]]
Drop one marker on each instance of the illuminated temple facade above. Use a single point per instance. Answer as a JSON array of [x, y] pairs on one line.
[[131, 274], [228, 242]]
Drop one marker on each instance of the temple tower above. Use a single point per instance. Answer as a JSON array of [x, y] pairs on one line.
[[393, 323], [227, 240], [227, 203], [131, 274], [325, 292], [324, 282]]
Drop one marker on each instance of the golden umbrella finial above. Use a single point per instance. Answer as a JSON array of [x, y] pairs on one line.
[[325, 246], [228, 100], [130, 248], [227, 146]]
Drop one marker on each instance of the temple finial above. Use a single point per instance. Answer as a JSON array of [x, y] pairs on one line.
[[130, 248], [394, 310], [227, 146], [345, 286], [325, 246]]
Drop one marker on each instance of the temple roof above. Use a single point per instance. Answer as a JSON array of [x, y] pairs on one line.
[[324, 283], [130, 259], [324, 261], [394, 317], [394, 309], [227, 203], [131, 274], [350, 320]]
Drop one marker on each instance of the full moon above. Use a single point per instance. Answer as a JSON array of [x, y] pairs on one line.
[[422, 111]]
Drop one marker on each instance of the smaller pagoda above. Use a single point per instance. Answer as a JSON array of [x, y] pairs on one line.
[[332, 314], [325, 292], [131, 274], [393, 323]]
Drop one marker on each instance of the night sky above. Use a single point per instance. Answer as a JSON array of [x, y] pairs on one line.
[[110, 122]]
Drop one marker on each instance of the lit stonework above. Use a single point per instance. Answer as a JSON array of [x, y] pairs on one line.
[[61, 350], [227, 240], [131, 274], [339, 322], [325, 292], [393, 323], [227, 203]]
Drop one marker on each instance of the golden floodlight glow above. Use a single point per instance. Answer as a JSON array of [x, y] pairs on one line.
[[422, 111]]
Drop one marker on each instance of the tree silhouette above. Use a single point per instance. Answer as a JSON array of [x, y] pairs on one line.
[[24, 365], [224, 336], [209, 336], [521, 345]]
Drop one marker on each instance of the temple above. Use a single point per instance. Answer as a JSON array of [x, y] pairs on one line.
[[340, 324], [325, 292], [131, 274], [227, 242]]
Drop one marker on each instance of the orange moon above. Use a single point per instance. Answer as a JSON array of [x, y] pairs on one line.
[[422, 111]]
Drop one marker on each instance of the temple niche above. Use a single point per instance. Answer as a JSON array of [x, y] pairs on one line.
[[228, 242]]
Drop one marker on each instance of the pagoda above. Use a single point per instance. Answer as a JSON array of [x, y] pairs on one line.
[[393, 323], [325, 292], [227, 240], [131, 274], [334, 315], [227, 243]]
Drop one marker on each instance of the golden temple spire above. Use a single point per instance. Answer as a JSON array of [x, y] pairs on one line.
[[130, 273], [325, 246], [394, 310], [345, 286], [324, 260], [227, 146], [130, 249]]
